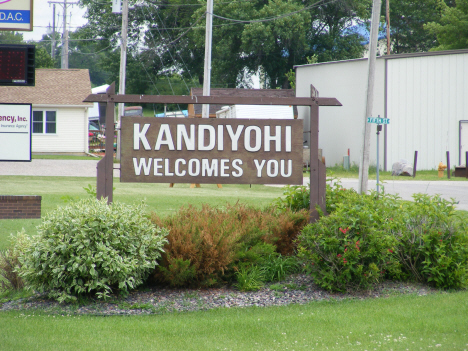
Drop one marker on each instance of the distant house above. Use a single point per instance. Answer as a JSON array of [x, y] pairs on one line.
[[60, 117], [196, 110]]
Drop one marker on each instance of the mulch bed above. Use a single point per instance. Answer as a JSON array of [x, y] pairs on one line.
[[297, 289]]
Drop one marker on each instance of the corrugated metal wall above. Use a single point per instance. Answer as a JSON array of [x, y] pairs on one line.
[[341, 128], [426, 99]]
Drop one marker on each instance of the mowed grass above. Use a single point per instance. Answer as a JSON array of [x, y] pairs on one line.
[[159, 198], [425, 175], [411, 322], [408, 322]]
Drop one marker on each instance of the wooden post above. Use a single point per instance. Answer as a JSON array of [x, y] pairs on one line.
[[105, 167], [315, 179], [448, 164]]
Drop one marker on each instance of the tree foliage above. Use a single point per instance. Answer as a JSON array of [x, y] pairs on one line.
[[452, 30], [43, 59], [8, 37], [407, 19], [167, 39]]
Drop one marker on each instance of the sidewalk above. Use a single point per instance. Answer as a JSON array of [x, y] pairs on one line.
[[46, 167]]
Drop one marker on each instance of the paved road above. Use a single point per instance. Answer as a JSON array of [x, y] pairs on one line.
[[64, 168], [87, 168], [457, 190]]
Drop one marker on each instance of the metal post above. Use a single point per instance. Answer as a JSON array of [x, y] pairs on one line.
[[415, 163], [379, 128], [466, 164], [448, 164]]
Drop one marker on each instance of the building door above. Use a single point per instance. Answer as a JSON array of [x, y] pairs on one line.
[[463, 141]]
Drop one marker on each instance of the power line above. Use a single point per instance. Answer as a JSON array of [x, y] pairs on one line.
[[162, 65], [180, 56], [267, 19]]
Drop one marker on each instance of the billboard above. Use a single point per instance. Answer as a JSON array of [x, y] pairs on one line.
[[16, 15], [211, 151], [15, 132]]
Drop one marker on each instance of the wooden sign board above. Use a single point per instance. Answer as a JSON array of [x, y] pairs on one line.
[[211, 151]]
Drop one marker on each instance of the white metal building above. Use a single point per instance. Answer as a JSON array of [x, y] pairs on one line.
[[425, 96], [256, 111]]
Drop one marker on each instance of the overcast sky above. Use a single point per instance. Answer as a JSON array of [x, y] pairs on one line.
[[43, 18]]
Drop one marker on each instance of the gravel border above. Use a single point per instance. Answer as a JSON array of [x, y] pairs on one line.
[[297, 289]]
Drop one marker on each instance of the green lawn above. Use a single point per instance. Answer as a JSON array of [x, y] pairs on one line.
[[406, 322], [57, 191], [437, 321], [431, 175]]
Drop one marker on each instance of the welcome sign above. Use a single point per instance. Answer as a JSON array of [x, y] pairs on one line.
[[16, 15], [216, 151]]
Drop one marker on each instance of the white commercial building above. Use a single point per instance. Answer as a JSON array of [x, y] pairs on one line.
[[425, 96]]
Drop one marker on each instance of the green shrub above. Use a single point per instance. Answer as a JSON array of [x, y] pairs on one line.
[[343, 252], [278, 267], [205, 244], [250, 278], [297, 197], [432, 243], [259, 264], [10, 264], [368, 238], [90, 247]]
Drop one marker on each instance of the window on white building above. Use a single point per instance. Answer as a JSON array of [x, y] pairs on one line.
[[44, 122]]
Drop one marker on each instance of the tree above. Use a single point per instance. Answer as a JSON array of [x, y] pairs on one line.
[[277, 45], [330, 37], [167, 38], [43, 59], [407, 21], [90, 54], [7, 37], [452, 29]]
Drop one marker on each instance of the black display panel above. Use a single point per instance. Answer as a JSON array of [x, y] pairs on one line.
[[17, 65]]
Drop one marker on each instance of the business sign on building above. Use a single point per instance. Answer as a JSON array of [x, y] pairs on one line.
[[16, 15], [216, 151], [15, 132]]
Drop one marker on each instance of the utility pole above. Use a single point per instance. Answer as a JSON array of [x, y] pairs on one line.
[[207, 68], [123, 69], [64, 5], [123, 54], [373, 38], [53, 35], [387, 10]]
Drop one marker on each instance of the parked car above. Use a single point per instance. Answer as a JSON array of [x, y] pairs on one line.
[[133, 111]]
